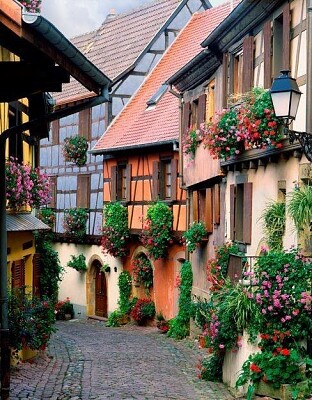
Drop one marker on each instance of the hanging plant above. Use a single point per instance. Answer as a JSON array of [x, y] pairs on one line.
[[143, 270], [190, 142], [33, 6], [25, 186], [299, 207], [75, 222], [194, 235], [274, 224], [75, 150], [47, 216], [78, 263], [115, 230], [249, 125], [157, 230]]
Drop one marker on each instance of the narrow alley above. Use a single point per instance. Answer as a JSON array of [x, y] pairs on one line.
[[87, 360]]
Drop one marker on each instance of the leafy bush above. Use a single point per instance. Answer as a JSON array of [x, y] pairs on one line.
[[143, 270], [31, 321], [63, 307], [179, 327], [75, 222], [274, 218]]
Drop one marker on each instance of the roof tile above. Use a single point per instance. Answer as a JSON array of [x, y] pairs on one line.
[[137, 125]]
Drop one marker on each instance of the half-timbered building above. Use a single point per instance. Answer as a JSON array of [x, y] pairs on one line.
[[126, 47], [247, 50], [141, 158]]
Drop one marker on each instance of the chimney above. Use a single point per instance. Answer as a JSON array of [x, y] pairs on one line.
[[111, 15]]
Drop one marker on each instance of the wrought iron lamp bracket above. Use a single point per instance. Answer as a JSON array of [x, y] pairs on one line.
[[304, 138]]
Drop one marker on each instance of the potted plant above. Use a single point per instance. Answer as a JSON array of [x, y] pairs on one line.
[[143, 311], [157, 230], [78, 263], [115, 232], [75, 149], [64, 309], [190, 142], [162, 324], [194, 235]]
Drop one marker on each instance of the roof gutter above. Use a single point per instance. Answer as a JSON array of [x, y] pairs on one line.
[[173, 142], [56, 39]]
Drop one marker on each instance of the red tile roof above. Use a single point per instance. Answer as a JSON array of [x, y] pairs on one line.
[[136, 125], [119, 41]]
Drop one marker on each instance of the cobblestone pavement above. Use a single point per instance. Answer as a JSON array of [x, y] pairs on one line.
[[87, 360]]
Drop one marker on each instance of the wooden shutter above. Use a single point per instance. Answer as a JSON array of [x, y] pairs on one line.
[[247, 216], [128, 182], [216, 204], [186, 118], [18, 274], [55, 128], [85, 123], [174, 178], [201, 110], [36, 275], [83, 191], [232, 211], [114, 183], [267, 49], [286, 36], [155, 180], [225, 69], [248, 61], [53, 191], [209, 211], [195, 206]]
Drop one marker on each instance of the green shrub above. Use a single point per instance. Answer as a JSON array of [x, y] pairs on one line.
[[78, 263]]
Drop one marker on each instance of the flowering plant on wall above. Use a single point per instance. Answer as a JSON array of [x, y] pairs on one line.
[[75, 222], [47, 215], [25, 186], [194, 235], [190, 142], [31, 5], [249, 125], [75, 150], [157, 229], [143, 270], [115, 229]]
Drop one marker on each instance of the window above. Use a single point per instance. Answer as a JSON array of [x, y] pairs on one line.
[[121, 182], [85, 123], [241, 212], [206, 206], [83, 191], [18, 274], [165, 174], [16, 139]]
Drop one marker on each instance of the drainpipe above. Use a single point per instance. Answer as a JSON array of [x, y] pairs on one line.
[[4, 322], [181, 164], [309, 69]]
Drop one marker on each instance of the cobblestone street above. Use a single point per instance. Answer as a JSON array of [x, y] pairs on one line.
[[87, 360]]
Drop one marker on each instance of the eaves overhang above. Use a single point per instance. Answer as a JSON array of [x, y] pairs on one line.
[[245, 16], [44, 35], [195, 72], [135, 147], [21, 222]]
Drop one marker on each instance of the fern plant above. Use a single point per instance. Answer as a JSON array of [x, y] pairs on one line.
[[274, 217], [299, 207]]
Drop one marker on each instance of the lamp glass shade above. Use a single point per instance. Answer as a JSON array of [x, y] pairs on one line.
[[281, 102], [294, 103]]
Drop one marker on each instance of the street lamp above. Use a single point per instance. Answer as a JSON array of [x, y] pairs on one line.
[[285, 95]]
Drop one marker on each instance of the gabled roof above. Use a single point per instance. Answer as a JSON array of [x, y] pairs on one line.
[[122, 39], [138, 126]]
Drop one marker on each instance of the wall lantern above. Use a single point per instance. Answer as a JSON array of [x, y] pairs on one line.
[[285, 95]]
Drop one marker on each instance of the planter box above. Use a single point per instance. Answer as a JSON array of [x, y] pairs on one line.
[[283, 393]]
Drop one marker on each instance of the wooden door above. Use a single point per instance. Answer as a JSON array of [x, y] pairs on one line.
[[100, 294]]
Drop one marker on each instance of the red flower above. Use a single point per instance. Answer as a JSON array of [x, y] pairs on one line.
[[285, 352], [255, 368]]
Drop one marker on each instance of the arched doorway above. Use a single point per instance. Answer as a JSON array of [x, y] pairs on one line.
[[100, 290]]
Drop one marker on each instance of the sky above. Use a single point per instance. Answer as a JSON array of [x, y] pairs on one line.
[[74, 17]]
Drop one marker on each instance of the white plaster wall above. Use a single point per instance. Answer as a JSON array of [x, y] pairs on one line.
[[265, 189], [73, 284], [234, 361]]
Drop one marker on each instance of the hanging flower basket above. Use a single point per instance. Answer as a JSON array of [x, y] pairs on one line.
[[143, 270], [33, 6], [75, 222], [75, 150]]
